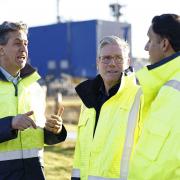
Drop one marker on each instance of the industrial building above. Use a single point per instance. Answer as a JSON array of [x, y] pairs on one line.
[[71, 47]]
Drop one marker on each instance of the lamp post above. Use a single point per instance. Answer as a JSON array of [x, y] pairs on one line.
[[116, 8]]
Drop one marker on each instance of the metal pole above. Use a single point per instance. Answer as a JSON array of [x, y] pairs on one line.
[[58, 16]]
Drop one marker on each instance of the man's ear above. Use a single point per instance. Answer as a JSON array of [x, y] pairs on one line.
[[97, 64], [127, 63], [1, 51], [165, 44]]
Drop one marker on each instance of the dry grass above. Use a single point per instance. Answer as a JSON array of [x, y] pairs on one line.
[[58, 160]]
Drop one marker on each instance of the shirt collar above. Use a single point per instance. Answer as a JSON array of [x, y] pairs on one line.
[[112, 91], [9, 77]]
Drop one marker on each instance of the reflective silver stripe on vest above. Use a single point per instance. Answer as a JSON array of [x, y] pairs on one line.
[[101, 178], [129, 140], [75, 173], [173, 83], [20, 154]]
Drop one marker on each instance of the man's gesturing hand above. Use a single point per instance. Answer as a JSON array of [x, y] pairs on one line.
[[54, 123], [23, 121]]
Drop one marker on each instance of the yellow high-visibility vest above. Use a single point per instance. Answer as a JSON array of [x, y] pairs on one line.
[[157, 152], [29, 143], [99, 157]]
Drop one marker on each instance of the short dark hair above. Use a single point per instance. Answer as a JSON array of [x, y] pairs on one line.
[[7, 27], [168, 26]]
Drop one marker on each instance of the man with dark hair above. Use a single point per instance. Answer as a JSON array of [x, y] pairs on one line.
[[156, 155], [23, 127], [167, 26]]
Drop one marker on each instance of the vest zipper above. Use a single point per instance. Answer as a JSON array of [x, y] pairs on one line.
[[16, 89]]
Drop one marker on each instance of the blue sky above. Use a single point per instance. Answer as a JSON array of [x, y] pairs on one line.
[[136, 12]]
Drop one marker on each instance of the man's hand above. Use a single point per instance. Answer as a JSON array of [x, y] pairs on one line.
[[54, 123], [23, 121]]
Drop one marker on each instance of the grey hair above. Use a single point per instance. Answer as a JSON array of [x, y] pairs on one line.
[[114, 40], [6, 27]]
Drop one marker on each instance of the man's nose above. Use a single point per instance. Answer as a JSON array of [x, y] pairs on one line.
[[146, 47], [113, 61], [23, 48]]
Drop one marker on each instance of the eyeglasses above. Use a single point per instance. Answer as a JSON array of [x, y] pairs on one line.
[[107, 59]]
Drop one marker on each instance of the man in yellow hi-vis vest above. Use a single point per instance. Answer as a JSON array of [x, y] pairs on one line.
[[23, 127], [157, 151], [109, 112]]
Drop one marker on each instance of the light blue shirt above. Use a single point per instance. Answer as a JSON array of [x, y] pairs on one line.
[[9, 77]]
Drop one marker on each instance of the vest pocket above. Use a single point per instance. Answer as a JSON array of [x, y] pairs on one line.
[[85, 116], [151, 143]]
